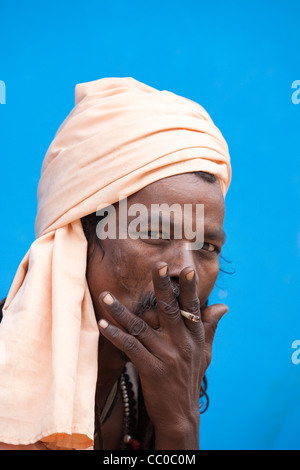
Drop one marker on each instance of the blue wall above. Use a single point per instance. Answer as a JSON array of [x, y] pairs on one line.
[[239, 60]]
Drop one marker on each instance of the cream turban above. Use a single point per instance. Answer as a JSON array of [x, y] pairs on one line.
[[121, 136]]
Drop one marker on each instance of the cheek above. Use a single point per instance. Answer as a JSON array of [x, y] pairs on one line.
[[122, 271], [132, 272], [207, 275]]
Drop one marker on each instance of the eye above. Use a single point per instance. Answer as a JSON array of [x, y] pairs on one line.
[[210, 247], [154, 236], [158, 235]]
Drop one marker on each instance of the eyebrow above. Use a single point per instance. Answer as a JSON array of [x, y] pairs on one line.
[[216, 234]]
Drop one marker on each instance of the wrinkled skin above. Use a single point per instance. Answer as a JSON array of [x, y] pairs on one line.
[[170, 352]]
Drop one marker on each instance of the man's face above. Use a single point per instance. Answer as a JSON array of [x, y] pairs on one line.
[[124, 266]]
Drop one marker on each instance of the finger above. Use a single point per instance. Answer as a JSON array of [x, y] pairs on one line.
[[167, 305], [188, 298], [126, 343], [210, 318], [130, 323]]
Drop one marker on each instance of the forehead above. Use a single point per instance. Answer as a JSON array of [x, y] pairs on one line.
[[183, 189], [204, 200]]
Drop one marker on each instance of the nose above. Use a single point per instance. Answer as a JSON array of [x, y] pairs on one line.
[[181, 257]]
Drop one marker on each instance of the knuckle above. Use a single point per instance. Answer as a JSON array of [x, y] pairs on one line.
[[137, 327], [189, 348], [119, 309], [129, 343], [114, 332], [169, 308], [163, 284], [193, 306]]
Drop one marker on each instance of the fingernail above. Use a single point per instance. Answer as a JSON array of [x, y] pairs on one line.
[[189, 276], [103, 323], [163, 271], [108, 299]]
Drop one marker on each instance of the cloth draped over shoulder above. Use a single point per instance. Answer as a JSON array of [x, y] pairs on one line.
[[121, 136]]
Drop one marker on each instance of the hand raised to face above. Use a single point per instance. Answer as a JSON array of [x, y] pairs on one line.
[[172, 359]]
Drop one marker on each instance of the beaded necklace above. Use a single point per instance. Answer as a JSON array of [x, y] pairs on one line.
[[129, 421], [129, 418]]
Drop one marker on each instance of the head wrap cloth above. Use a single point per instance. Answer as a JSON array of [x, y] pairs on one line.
[[121, 136]]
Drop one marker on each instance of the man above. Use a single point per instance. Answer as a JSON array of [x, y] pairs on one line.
[[145, 290]]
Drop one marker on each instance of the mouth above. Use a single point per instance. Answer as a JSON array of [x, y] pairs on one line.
[[148, 301], [147, 307]]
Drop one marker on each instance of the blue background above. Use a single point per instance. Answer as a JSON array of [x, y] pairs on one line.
[[237, 59]]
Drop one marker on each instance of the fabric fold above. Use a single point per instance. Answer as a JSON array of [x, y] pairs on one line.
[[50, 339]]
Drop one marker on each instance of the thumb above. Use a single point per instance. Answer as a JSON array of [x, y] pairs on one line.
[[210, 318]]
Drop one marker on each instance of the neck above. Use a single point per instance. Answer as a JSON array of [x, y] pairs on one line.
[[110, 366]]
